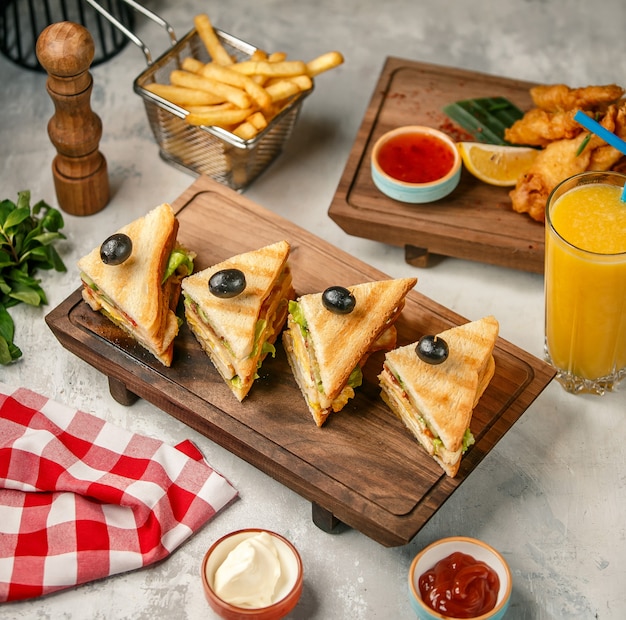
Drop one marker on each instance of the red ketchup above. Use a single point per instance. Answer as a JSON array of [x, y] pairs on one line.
[[415, 158], [460, 586]]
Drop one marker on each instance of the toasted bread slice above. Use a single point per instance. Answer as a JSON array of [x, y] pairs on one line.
[[323, 360], [436, 401], [341, 340], [229, 329], [133, 294]]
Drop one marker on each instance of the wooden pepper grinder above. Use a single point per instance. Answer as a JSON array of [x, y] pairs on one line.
[[66, 51]]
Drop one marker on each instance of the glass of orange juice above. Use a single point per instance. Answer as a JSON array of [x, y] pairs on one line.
[[585, 282]]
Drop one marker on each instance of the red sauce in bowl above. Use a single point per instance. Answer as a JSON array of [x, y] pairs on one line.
[[460, 586], [415, 158]]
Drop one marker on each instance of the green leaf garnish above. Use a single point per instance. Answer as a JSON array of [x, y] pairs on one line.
[[26, 238], [583, 144], [486, 119]]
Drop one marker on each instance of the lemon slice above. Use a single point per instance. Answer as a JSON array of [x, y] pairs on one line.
[[496, 164]]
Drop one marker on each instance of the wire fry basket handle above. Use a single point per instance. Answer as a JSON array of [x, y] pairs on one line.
[[157, 19]]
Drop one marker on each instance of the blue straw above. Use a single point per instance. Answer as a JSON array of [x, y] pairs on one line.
[[609, 137]]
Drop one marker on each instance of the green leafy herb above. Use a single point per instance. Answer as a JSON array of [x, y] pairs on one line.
[[26, 238], [583, 144]]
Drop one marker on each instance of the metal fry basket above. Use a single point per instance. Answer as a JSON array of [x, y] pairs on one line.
[[211, 151]]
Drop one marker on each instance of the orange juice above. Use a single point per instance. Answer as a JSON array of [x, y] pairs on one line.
[[585, 283]]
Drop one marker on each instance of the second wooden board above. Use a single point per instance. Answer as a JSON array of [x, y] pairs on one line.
[[476, 221]]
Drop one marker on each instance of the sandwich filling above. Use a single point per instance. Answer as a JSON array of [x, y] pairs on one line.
[[436, 401], [399, 401], [306, 367], [237, 371], [179, 265]]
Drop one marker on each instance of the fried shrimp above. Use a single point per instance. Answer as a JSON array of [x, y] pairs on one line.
[[566, 147], [539, 127], [556, 162], [559, 97], [564, 158]]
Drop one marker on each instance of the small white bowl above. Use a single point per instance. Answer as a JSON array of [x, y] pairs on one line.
[[289, 585], [480, 551], [416, 192]]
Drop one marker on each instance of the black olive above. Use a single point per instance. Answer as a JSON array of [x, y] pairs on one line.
[[227, 283], [116, 249], [432, 349], [338, 299]]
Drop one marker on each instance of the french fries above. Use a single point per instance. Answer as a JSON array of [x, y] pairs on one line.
[[243, 82], [282, 90], [219, 117], [211, 41], [183, 96], [239, 96], [285, 68], [227, 92], [254, 123], [322, 63]]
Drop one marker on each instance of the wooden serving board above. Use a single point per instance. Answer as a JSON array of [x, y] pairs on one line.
[[362, 468], [474, 222]]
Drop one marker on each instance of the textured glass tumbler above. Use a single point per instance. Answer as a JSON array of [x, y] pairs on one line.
[[585, 282]]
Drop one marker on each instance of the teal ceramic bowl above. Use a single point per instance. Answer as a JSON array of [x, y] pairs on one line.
[[429, 556], [416, 192]]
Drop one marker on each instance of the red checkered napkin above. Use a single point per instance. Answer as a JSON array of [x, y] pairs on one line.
[[82, 499]]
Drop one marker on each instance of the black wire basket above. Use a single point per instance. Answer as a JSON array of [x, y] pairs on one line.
[[22, 21]]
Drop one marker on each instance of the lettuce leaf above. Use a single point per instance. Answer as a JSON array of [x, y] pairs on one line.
[[178, 258], [468, 440], [298, 316]]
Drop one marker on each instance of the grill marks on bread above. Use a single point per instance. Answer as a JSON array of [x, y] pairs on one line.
[[226, 328], [437, 401]]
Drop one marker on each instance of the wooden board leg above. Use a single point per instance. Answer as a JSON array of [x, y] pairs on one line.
[[120, 393], [324, 519], [418, 257]]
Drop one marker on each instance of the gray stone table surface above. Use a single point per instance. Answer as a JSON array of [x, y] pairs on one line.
[[551, 496]]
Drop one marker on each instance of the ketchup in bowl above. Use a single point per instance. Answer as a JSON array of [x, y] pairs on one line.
[[416, 158], [460, 586]]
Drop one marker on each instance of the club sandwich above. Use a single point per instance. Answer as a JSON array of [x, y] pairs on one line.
[[140, 295], [327, 350], [436, 401], [237, 333]]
